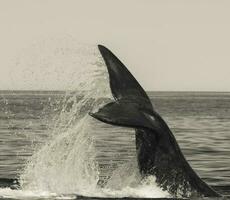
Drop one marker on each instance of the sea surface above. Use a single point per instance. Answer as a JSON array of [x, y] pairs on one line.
[[200, 122]]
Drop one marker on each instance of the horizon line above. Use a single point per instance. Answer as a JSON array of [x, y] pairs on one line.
[[56, 90]]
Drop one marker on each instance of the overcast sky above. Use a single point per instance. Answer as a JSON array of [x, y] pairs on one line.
[[167, 45]]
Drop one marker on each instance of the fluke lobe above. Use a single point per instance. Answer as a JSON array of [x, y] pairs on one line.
[[158, 153]]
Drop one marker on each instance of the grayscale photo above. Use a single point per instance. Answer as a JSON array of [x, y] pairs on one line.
[[114, 99]]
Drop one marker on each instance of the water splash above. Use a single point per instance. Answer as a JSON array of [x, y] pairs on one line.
[[65, 165], [147, 188], [126, 181], [67, 162]]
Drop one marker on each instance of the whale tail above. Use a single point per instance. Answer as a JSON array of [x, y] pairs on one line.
[[132, 106], [157, 150], [122, 82]]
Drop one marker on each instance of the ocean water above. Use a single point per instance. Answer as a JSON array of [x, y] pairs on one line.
[[49, 143]]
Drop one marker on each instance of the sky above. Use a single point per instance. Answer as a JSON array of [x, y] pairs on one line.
[[168, 45]]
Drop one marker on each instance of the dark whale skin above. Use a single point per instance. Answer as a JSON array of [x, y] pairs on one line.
[[158, 153]]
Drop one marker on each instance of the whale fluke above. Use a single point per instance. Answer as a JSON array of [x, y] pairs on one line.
[[122, 83], [158, 153]]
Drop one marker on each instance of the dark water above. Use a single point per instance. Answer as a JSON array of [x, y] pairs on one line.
[[200, 122]]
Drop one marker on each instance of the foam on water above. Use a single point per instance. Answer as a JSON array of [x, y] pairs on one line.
[[8, 193], [66, 163]]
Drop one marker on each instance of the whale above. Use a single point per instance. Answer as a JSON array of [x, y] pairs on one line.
[[158, 153]]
